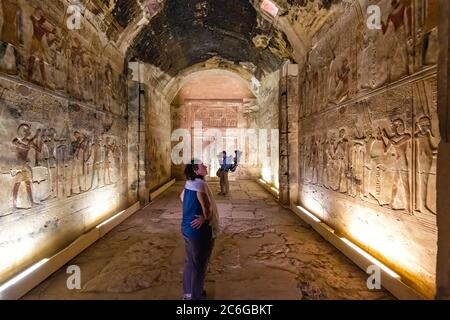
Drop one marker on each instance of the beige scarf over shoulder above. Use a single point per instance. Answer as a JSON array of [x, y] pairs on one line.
[[214, 218]]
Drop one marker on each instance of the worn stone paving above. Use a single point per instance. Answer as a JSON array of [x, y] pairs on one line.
[[264, 252]]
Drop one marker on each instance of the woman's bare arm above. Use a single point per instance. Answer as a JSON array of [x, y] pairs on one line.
[[204, 202], [182, 196]]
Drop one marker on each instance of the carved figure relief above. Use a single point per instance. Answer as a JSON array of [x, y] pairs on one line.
[[425, 157], [44, 37], [36, 48], [382, 155], [399, 142], [22, 172], [48, 166], [397, 30]]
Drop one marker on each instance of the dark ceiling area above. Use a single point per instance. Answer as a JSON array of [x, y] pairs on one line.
[[185, 33], [125, 11]]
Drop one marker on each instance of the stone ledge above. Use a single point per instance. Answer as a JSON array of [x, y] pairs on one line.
[[271, 189], [362, 259], [18, 286], [162, 189]]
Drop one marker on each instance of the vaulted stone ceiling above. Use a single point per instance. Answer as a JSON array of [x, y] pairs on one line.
[[188, 32], [176, 34]]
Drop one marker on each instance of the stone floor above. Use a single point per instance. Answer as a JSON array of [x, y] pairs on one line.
[[263, 252]]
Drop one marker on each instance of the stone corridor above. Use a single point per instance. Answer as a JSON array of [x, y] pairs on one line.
[[264, 252]]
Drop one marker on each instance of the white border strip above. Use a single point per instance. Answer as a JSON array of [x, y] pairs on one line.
[[271, 189], [390, 280], [162, 189], [21, 284], [25, 281]]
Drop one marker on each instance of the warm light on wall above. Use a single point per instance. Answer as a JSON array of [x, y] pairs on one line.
[[370, 258], [110, 219], [276, 180], [96, 207], [309, 214], [101, 204], [384, 239], [351, 245], [369, 236], [21, 276], [314, 206], [266, 174], [18, 250]]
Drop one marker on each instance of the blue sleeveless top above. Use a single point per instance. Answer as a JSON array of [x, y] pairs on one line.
[[193, 208]]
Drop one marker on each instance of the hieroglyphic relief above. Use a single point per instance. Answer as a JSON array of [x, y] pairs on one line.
[[36, 46], [45, 162], [348, 58], [213, 117], [158, 140], [65, 169], [426, 137], [381, 150]]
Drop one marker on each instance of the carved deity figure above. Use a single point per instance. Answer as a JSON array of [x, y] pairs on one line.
[[10, 19], [367, 63], [55, 60], [10, 34], [342, 159], [50, 144], [397, 31], [87, 76], [43, 38], [400, 141], [325, 161], [109, 89], [376, 167], [78, 155], [97, 161], [426, 153], [23, 143], [77, 65], [368, 141], [314, 160], [357, 165], [331, 167], [110, 150], [342, 81]]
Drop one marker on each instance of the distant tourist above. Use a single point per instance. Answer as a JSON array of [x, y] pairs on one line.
[[227, 165]]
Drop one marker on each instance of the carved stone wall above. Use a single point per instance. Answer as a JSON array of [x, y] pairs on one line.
[[443, 174], [369, 133], [63, 131], [158, 139], [220, 119], [37, 47], [268, 100]]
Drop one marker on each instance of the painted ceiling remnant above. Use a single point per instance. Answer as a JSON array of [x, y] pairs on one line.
[[176, 34], [188, 32], [270, 7]]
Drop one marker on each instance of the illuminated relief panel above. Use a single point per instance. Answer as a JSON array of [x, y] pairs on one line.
[[61, 172], [36, 47], [369, 170], [219, 116]]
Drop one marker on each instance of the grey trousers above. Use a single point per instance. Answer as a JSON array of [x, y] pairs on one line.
[[198, 252]]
